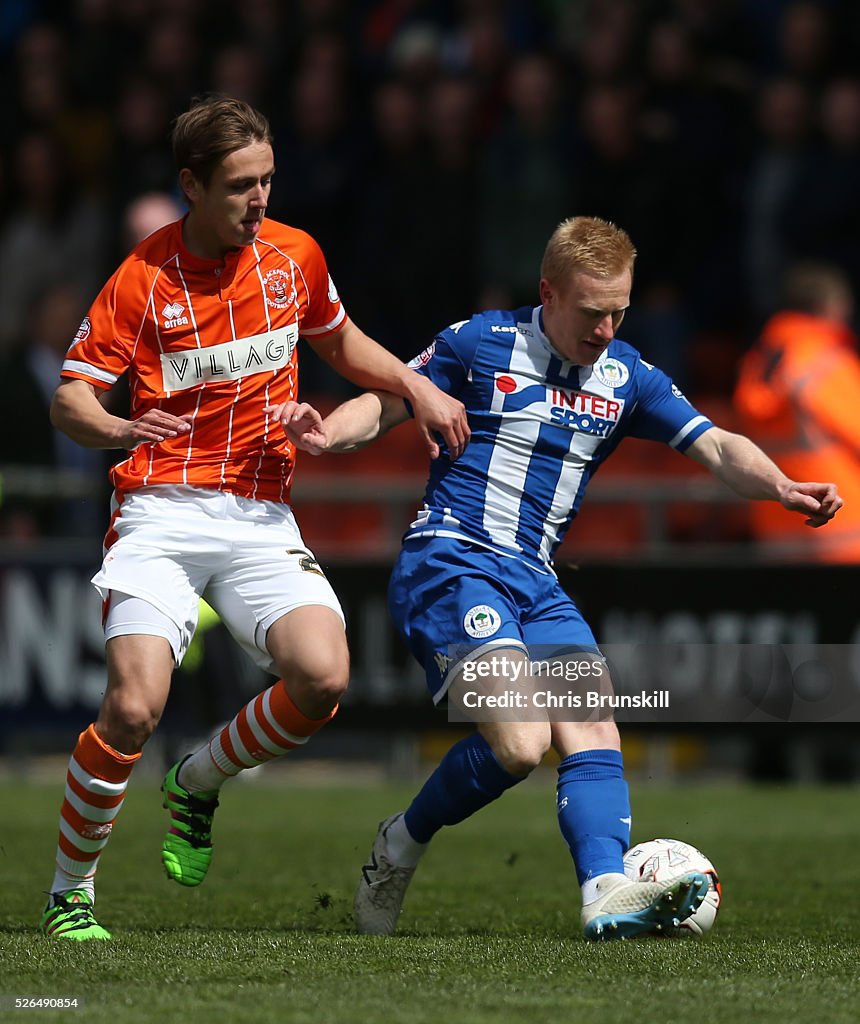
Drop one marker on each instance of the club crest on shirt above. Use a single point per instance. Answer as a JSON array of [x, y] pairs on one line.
[[481, 621], [280, 288], [612, 372]]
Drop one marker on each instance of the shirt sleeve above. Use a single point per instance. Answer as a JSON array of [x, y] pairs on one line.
[[325, 313], [448, 359], [103, 346], [663, 412]]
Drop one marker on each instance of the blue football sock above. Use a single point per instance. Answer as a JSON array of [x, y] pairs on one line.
[[468, 778], [594, 811]]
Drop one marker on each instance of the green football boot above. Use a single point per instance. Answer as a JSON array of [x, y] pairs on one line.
[[69, 915], [187, 848]]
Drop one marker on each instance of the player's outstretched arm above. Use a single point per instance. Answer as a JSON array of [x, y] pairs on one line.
[[366, 363], [76, 409], [745, 468], [350, 426]]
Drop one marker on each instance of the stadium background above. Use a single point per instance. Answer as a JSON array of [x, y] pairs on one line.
[[431, 147]]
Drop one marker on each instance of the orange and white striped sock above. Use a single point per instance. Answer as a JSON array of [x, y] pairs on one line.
[[96, 781], [267, 727]]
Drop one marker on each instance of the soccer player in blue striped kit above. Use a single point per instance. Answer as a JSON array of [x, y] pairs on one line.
[[549, 393]]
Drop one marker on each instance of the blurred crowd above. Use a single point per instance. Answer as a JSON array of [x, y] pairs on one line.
[[431, 146]]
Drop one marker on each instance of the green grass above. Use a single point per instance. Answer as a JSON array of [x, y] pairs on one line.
[[490, 930]]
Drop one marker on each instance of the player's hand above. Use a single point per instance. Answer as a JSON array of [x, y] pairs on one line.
[[436, 412], [302, 424], [154, 425], [819, 502]]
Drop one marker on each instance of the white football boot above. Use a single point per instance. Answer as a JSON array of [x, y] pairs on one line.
[[381, 888], [625, 909]]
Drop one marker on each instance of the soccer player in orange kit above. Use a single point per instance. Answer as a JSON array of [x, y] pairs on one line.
[[205, 316]]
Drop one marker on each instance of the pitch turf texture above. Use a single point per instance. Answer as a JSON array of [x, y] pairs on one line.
[[490, 930]]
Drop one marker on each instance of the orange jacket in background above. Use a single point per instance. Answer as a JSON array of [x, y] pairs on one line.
[[798, 396]]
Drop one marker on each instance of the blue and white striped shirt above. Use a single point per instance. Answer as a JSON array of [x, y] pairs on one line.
[[541, 426]]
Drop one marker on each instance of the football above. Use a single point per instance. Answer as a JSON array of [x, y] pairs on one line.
[[664, 860]]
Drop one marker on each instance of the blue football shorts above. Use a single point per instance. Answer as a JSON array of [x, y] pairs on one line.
[[452, 600]]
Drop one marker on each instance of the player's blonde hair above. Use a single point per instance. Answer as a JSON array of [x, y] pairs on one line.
[[212, 128], [586, 243]]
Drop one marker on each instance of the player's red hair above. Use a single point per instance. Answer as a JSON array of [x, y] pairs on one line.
[[590, 244]]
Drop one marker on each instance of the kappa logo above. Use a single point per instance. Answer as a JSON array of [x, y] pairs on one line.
[[481, 621], [442, 663], [172, 314]]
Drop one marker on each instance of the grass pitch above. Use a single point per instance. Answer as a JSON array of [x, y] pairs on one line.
[[490, 929]]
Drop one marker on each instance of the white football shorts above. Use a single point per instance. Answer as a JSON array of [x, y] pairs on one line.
[[175, 542]]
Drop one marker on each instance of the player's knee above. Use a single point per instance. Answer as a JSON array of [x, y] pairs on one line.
[[520, 752], [329, 687], [318, 686], [602, 735], [127, 724]]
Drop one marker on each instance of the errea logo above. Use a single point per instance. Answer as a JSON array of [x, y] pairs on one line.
[[172, 314]]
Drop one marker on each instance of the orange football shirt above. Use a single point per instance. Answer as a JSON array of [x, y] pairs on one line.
[[215, 339]]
